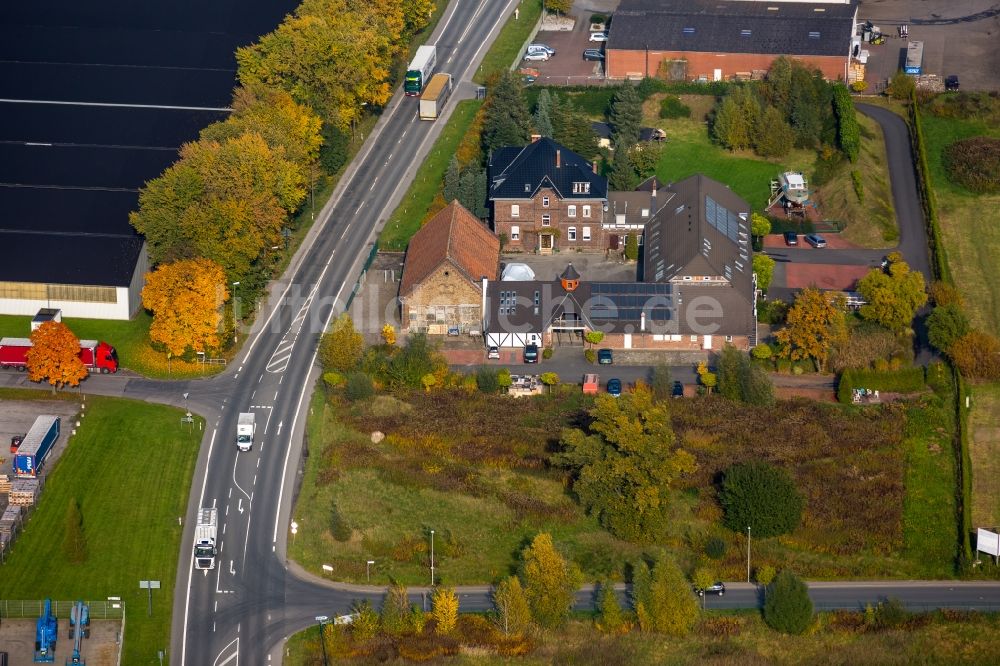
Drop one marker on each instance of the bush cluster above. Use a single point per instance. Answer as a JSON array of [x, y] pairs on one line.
[[672, 107], [974, 164]]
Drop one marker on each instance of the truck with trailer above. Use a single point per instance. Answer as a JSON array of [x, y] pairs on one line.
[[205, 533], [435, 96], [914, 58], [419, 71], [245, 429], [96, 355], [35, 446]]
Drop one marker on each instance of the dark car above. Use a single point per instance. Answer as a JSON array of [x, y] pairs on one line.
[[791, 238], [604, 357], [951, 82], [815, 240], [614, 387], [531, 353], [593, 54], [718, 588], [678, 390]]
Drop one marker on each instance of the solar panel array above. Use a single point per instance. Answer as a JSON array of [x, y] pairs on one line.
[[627, 301], [726, 222]]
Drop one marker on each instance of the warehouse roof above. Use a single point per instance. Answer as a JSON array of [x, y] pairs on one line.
[[106, 260], [733, 26]]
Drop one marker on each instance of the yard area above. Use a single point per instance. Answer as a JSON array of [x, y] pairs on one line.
[[984, 447], [484, 485], [129, 467]]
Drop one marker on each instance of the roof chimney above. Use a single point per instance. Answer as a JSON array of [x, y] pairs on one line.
[[558, 158], [593, 165], [535, 137]]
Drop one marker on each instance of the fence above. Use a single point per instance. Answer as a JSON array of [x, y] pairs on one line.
[[30, 608], [361, 278]]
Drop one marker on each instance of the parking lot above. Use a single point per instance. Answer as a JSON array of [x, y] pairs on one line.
[[567, 66], [959, 38]]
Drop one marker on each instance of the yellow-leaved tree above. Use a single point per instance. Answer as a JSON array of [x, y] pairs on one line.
[[186, 300], [550, 582], [55, 356], [814, 323], [444, 609]]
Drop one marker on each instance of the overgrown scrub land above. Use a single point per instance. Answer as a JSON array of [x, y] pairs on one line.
[[129, 469], [878, 484], [740, 638], [971, 236]]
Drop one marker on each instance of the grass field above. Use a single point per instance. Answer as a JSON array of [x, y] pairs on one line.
[[972, 245], [984, 445], [129, 467], [732, 638], [412, 210], [484, 486], [506, 49]]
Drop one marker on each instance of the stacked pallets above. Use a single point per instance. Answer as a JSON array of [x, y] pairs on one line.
[[10, 520], [4, 484], [23, 492]]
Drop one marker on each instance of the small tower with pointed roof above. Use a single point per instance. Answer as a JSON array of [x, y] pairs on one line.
[[570, 279]]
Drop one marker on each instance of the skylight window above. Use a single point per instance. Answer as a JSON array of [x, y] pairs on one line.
[[744, 33], [813, 35], [688, 31]]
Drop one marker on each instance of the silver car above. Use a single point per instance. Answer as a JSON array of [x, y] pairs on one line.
[[542, 47], [536, 55]]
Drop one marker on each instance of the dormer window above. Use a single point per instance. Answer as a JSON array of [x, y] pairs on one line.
[[581, 188], [527, 187]]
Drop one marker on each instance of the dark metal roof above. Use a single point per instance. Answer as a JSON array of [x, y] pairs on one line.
[[733, 26], [570, 273], [69, 258], [518, 173]]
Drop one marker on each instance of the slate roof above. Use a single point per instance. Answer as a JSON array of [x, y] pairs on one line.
[[453, 235], [733, 26], [632, 204], [518, 173], [683, 241]]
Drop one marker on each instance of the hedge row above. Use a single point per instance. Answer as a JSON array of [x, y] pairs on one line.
[[939, 262], [905, 380], [962, 394]]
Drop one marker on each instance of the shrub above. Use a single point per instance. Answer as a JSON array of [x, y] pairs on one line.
[[590, 355], [715, 548], [762, 497], [974, 164], [632, 247], [333, 379], [787, 607], [859, 186], [859, 86], [547, 353], [977, 354], [890, 614], [901, 86], [650, 86], [946, 324], [761, 352], [339, 528], [848, 131], [673, 107], [487, 380], [358, 387]]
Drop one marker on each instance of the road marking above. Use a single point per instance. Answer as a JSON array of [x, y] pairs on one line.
[[239, 506], [216, 608], [115, 105], [276, 396], [235, 655], [223, 532], [236, 483], [187, 594], [227, 510], [255, 479], [358, 209], [373, 184], [213, 626], [261, 378], [253, 394], [232, 568], [278, 434]]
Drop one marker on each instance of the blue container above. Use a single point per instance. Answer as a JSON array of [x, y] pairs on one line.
[[37, 443]]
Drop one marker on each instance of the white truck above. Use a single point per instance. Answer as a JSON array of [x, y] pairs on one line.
[[205, 533], [244, 431]]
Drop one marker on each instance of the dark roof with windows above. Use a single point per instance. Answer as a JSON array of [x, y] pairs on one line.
[[519, 172], [734, 26]]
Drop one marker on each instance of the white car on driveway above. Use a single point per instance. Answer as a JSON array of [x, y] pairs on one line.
[[598, 36], [536, 55]]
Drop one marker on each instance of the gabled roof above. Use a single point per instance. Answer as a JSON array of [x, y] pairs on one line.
[[734, 26], [454, 235], [518, 173], [704, 231], [628, 208]]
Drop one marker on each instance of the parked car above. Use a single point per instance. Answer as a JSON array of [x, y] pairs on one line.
[[598, 36], [791, 238], [541, 47], [593, 54], [678, 390], [604, 357], [531, 353], [614, 387], [536, 55], [717, 588], [815, 240], [951, 82], [493, 352]]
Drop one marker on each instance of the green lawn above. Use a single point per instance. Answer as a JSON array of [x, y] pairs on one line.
[[410, 213], [971, 236], [129, 467], [984, 445], [130, 338], [506, 49]]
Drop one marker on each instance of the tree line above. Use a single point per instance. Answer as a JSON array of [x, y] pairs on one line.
[[219, 216]]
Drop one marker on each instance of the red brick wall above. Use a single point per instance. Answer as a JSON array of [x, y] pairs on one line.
[[623, 64], [529, 222]]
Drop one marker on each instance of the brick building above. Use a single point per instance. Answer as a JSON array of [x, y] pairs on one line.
[[698, 291], [446, 262], [545, 197], [720, 40]]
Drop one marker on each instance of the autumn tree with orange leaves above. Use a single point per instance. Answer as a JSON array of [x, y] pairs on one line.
[[815, 322], [55, 356], [186, 300]]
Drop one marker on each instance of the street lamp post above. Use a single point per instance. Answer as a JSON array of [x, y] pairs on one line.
[[748, 553], [235, 323], [432, 558], [368, 570], [323, 619]]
